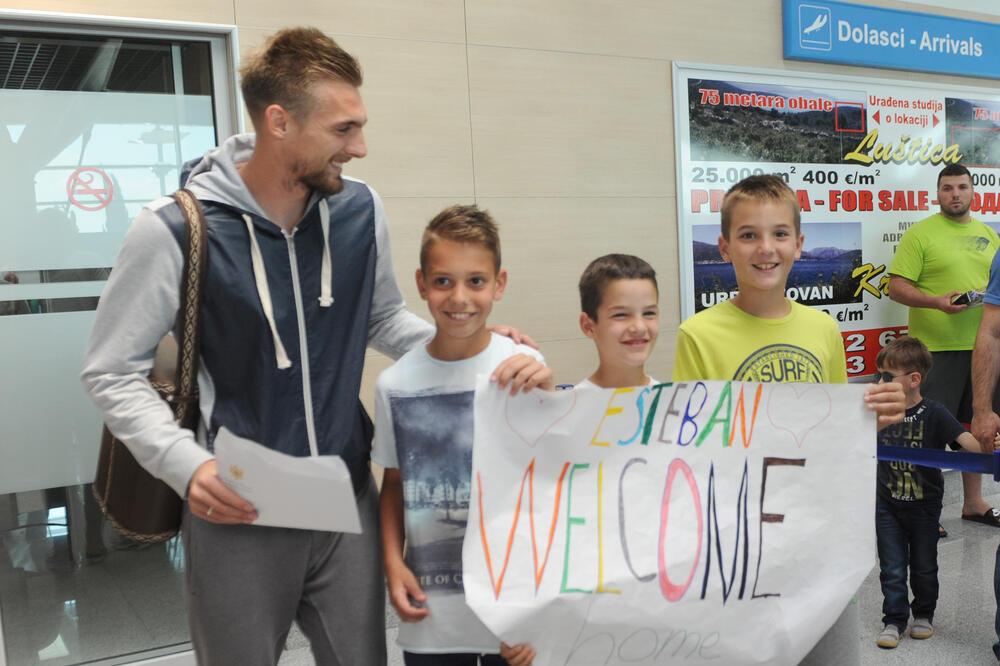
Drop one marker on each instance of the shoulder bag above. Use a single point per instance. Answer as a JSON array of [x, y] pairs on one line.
[[138, 505]]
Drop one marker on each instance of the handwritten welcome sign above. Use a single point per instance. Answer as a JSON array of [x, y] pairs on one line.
[[717, 522]]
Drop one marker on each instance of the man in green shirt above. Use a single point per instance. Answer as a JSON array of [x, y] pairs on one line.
[[937, 261]]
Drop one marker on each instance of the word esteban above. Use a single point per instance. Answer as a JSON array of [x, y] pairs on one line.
[[686, 420]]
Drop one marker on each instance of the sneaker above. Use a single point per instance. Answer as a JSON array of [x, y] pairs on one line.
[[889, 638], [921, 628]]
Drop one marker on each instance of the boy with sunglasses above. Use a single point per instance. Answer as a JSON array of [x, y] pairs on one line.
[[908, 499]]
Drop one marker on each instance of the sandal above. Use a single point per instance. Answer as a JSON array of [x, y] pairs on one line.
[[990, 517], [942, 532]]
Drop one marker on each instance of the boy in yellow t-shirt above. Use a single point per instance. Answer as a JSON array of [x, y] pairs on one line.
[[762, 336]]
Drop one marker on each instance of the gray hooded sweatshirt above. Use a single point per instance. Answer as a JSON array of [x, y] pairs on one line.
[[285, 323]]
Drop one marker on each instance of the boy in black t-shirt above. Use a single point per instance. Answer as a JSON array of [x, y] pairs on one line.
[[908, 501]]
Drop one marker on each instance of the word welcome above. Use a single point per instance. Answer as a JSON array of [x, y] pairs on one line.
[[671, 522]]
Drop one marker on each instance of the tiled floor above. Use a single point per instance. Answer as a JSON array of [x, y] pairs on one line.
[[963, 622], [56, 613]]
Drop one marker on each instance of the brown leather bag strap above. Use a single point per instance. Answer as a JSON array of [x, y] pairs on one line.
[[189, 344]]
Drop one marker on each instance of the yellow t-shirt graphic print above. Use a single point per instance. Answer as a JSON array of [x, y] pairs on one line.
[[724, 342], [780, 363]]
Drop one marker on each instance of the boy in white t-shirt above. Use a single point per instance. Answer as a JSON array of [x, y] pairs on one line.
[[618, 299], [423, 437]]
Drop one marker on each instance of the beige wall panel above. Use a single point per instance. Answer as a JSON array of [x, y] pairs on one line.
[[723, 32], [419, 138], [407, 219], [709, 31], [570, 125], [440, 20], [643, 28], [416, 93], [251, 39], [548, 242], [200, 11]]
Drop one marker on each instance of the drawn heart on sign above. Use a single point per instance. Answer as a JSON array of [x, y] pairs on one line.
[[531, 415], [798, 409]]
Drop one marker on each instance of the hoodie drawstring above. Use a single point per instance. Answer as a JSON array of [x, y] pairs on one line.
[[326, 275], [265, 295]]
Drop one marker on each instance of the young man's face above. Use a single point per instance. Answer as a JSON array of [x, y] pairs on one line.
[[460, 286], [955, 196], [628, 323], [762, 245], [328, 137]]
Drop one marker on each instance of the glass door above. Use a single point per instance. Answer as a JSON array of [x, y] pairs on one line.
[[94, 123]]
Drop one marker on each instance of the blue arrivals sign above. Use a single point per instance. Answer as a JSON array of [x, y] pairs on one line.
[[850, 34]]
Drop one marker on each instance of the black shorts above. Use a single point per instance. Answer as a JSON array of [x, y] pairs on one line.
[[950, 383]]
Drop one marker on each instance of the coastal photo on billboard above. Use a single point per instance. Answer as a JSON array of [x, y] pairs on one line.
[[758, 122], [975, 126], [823, 276]]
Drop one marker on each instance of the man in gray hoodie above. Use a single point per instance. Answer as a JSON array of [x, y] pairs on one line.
[[299, 282]]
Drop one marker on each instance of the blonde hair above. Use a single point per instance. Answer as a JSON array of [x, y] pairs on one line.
[[292, 61], [462, 224], [762, 189]]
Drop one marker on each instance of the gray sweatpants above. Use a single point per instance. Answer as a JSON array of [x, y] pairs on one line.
[[245, 584]]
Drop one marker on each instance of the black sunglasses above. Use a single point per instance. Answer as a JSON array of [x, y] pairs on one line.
[[888, 376]]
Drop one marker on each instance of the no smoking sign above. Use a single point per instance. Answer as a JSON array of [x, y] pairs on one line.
[[89, 188]]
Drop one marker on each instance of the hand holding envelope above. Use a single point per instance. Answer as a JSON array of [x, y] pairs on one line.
[[313, 493]]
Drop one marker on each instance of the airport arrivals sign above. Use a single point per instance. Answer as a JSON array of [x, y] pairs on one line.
[[850, 34], [862, 155]]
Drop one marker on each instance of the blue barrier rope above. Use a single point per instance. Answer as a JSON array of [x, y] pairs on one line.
[[983, 463]]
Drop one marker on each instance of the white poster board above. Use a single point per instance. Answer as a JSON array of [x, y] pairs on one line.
[[703, 521]]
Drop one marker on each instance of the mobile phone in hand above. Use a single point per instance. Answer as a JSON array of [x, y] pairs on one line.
[[970, 298]]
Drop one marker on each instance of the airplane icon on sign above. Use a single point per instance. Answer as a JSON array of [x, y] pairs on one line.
[[817, 24], [814, 21]]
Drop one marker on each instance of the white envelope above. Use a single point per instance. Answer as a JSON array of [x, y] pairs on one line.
[[312, 493]]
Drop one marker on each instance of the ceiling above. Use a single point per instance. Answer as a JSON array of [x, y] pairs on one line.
[[35, 61]]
